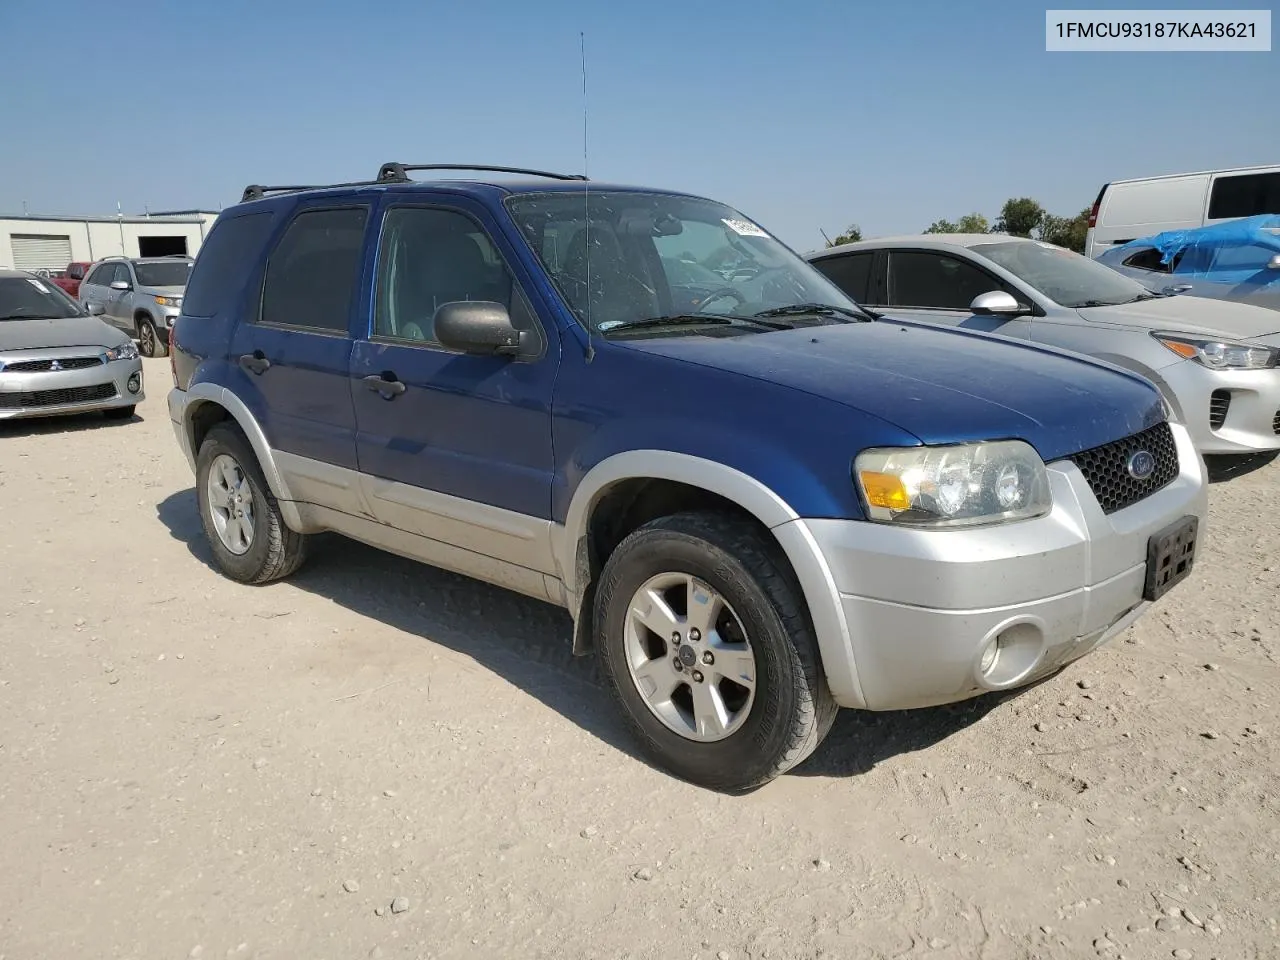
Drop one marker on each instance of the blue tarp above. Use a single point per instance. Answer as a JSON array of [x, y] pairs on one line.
[[1197, 246]]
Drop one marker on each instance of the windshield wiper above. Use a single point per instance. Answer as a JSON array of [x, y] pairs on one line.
[[687, 319], [821, 309], [28, 316]]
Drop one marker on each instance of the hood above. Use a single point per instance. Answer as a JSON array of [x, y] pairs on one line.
[[943, 386], [1188, 314], [67, 332]]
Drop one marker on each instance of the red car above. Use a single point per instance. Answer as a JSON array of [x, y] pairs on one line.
[[71, 277]]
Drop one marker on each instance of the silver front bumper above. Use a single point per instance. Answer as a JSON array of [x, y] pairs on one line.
[[50, 393], [922, 606], [1252, 421]]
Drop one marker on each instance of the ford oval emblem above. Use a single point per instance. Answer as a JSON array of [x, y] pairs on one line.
[[1141, 465]]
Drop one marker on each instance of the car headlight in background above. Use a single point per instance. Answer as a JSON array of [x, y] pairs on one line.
[[168, 301], [126, 351], [1221, 354], [963, 485]]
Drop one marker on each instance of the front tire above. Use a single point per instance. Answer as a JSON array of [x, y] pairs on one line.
[[251, 542], [704, 637], [149, 342]]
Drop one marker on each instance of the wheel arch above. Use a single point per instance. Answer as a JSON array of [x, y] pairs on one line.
[[628, 489], [1134, 365], [207, 404]]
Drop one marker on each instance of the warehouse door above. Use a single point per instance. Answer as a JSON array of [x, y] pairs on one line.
[[33, 252], [162, 246]]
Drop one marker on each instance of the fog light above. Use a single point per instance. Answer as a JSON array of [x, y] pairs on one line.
[[989, 656], [135, 382]]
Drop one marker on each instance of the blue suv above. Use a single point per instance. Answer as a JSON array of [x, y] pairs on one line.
[[757, 501]]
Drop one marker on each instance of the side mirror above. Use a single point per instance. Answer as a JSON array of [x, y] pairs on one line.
[[477, 326], [96, 309], [997, 303], [1274, 262], [119, 284]]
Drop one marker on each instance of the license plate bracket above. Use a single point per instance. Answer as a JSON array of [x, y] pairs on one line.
[[1170, 556]]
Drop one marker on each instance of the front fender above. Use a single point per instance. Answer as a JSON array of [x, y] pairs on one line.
[[814, 575]]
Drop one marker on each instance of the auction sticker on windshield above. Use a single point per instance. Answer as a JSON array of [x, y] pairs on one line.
[[744, 228]]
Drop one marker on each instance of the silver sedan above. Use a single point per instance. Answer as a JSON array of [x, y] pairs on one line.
[[56, 359], [1217, 363]]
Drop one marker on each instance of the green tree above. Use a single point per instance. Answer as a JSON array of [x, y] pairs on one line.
[[1066, 232], [852, 234], [973, 223], [1020, 216], [969, 223]]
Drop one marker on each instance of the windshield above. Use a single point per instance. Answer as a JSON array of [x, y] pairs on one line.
[[655, 255], [163, 273], [1064, 277], [28, 298]]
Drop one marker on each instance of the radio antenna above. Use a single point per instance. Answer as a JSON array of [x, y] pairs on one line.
[[586, 192]]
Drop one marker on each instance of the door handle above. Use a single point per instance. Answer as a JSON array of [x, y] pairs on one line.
[[255, 362], [385, 384]]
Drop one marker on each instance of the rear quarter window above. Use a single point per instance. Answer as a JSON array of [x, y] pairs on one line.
[[850, 272], [224, 263]]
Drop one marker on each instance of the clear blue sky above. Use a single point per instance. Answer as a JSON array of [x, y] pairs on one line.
[[802, 114]]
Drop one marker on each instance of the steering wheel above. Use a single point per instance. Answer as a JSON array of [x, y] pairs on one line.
[[718, 294]]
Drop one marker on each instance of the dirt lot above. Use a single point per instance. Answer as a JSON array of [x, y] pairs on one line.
[[193, 768]]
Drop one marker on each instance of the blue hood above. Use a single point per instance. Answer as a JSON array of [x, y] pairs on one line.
[[943, 386]]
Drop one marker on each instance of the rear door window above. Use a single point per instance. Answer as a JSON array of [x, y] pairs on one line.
[[314, 270], [1244, 195]]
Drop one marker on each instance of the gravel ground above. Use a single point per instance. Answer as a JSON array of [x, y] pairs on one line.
[[378, 759]]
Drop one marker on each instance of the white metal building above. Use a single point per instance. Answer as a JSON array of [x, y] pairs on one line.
[[33, 242]]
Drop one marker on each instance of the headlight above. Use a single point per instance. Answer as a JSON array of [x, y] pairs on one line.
[[1221, 354], [168, 301], [126, 351], [962, 485]]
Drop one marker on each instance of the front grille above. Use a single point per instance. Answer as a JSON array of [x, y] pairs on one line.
[[43, 366], [1106, 468], [1219, 404], [56, 398], [1275, 424]]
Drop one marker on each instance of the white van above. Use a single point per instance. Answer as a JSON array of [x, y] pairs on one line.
[[1128, 209]]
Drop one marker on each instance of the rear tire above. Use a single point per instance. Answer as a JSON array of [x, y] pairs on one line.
[[760, 729], [251, 542], [150, 343]]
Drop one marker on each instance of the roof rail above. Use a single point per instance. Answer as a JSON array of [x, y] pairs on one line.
[[256, 191], [399, 172]]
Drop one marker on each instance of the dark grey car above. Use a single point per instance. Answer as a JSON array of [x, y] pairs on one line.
[[141, 295]]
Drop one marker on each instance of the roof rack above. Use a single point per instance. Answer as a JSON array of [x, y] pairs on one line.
[[399, 172], [256, 191]]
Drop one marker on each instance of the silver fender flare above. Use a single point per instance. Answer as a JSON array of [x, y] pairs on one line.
[[202, 393], [820, 592]]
